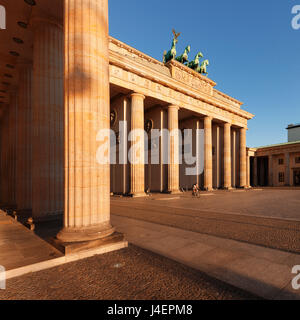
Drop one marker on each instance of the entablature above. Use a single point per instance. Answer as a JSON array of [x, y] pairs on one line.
[[172, 82]]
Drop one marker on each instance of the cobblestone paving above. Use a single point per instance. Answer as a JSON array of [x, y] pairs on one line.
[[131, 273], [199, 215]]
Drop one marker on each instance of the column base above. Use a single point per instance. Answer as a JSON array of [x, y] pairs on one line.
[[228, 188], [208, 189], [81, 234], [138, 195], [115, 241], [174, 192]]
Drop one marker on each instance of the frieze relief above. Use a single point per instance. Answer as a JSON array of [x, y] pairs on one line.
[[190, 78]]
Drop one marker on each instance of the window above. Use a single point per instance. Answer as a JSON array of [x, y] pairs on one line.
[[280, 161], [281, 177], [297, 159]]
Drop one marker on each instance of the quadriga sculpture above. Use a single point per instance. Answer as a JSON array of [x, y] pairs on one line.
[[196, 62], [185, 56], [171, 54], [202, 68]]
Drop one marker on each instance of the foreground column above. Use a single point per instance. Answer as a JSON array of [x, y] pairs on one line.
[[173, 165], [227, 156], [23, 190], [243, 158], [86, 108], [207, 154], [137, 156], [4, 194], [12, 141], [47, 121]]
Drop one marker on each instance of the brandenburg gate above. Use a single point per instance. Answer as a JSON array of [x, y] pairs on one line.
[[62, 80]]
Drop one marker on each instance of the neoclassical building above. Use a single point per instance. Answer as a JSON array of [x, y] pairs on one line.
[[277, 165], [62, 80]]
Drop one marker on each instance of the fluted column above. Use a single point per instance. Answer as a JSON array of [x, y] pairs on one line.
[[137, 156], [4, 194], [227, 156], [87, 105], [12, 143], [248, 171], [243, 158], [234, 161], [24, 148], [208, 153], [255, 172], [270, 170], [173, 165], [287, 169], [47, 120]]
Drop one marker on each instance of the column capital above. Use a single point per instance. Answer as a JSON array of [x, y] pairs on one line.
[[172, 106], [227, 124], [209, 118], [136, 94]]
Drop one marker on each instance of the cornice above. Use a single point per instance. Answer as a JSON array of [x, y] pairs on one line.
[[228, 97], [279, 149], [130, 49]]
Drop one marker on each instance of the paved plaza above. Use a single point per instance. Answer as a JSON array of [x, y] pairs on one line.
[[201, 249], [264, 217], [130, 273]]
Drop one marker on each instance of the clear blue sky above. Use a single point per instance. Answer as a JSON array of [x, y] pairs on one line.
[[253, 51]]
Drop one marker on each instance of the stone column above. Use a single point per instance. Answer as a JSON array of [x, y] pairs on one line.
[[255, 173], [216, 157], [248, 171], [243, 158], [208, 153], [11, 135], [137, 155], [287, 168], [173, 165], [227, 156], [234, 170], [4, 194], [24, 148], [199, 151], [47, 120], [271, 183], [87, 110]]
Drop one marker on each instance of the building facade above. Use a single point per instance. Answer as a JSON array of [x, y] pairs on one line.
[[279, 164], [62, 80]]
